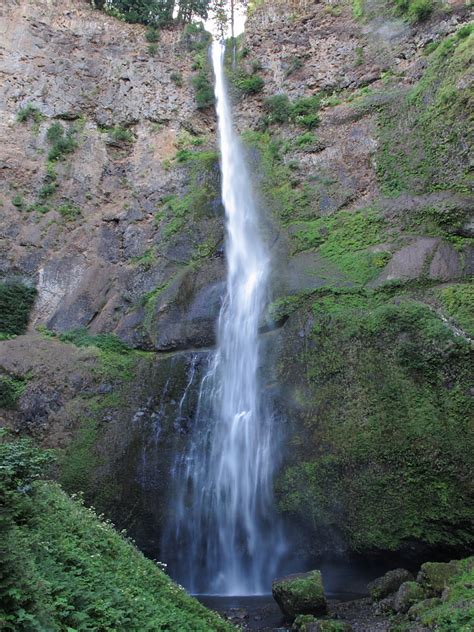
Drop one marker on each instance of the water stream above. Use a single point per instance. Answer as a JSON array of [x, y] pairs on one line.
[[225, 535]]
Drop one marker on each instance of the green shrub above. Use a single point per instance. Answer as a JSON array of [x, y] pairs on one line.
[[119, 134], [11, 389], [177, 79], [152, 35], [249, 84], [204, 91], [152, 50], [28, 112], [16, 302], [414, 10], [69, 211], [278, 108], [18, 202], [62, 143]]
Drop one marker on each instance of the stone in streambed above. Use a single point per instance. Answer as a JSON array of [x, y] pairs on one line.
[[298, 594], [388, 583], [308, 623]]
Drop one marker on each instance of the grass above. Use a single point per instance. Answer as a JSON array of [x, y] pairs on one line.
[[68, 569], [119, 134]]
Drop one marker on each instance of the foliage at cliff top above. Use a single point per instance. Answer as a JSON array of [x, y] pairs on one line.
[[155, 12], [65, 568]]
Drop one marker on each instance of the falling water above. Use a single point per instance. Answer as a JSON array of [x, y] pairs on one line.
[[226, 536]]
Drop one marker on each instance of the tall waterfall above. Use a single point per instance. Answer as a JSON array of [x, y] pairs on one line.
[[226, 536]]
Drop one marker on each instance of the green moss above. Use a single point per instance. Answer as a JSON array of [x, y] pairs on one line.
[[424, 135], [16, 302], [458, 302], [345, 239], [68, 569], [386, 394]]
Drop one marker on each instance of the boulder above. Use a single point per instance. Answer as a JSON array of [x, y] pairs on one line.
[[417, 610], [308, 623], [434, 575], [407, 595], [302, 593], [388, 583]]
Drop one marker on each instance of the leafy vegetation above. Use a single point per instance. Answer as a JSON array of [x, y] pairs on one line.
[[61, 142], [29, 112], [11, 389], [65, 568], [303, 111], [154, 12], [105, 342], [119, 134], [16, 302], [415, 10], [248, 83], [204, 90]]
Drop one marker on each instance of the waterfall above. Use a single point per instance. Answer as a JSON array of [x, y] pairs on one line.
[[225, 535]]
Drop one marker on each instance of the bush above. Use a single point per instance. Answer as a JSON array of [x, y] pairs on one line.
[[16, 301], [414, 10], [62, 143], [119, 134], [249, 84], [278, 108], [152, 50], [28, 112], [177, 79], [152, 35], [10, 391], [69, 211], [18, 202], [204, 91]]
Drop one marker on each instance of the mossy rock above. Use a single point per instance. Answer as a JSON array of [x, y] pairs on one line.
[[418, 609], [407, 595], [299, 594], [388, 583], [308, 623], [433, 576]]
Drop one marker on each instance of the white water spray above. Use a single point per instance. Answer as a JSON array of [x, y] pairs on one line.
[[226, 535]]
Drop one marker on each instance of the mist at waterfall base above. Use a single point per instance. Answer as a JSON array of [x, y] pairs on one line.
[[224, 536]]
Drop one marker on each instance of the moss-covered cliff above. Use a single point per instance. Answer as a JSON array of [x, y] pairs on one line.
[[372, 207], [356, 118]]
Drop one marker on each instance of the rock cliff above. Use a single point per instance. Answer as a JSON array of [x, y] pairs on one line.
[[358, 130]]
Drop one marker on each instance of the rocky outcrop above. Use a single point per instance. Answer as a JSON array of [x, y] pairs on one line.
[[300, 594]]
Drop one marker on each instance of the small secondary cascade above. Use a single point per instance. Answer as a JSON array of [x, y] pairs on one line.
[[225, 536]]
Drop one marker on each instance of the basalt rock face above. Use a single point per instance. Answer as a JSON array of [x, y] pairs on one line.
[[372, 206], [367, 213], [96, 229], [110, 207]]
